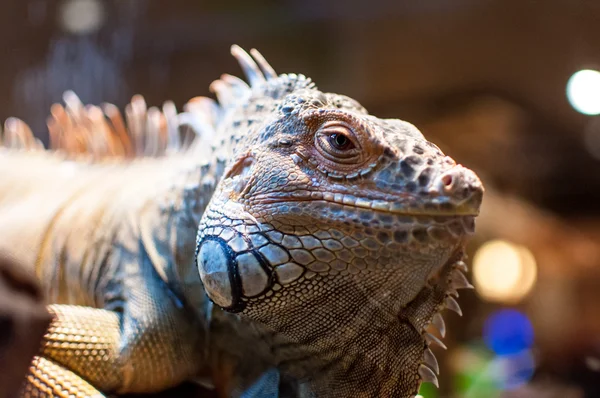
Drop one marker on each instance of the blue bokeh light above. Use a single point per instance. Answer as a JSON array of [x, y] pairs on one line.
[[507, 332]]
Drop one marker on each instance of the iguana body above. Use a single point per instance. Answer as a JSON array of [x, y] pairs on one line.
[[327, 239], [98, 235]]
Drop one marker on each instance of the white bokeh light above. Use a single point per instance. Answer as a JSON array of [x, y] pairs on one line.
[[81, 16], [583, 91]]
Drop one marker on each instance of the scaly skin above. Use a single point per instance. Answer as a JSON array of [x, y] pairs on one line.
[[327, 239]]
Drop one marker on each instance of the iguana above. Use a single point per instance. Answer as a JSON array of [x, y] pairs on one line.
[[298, 246]]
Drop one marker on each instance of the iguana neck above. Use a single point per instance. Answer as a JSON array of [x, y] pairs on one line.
[[168, 227], [364, 358], [169, 222]]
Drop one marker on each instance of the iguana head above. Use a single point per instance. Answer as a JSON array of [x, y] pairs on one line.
[[340, 231]]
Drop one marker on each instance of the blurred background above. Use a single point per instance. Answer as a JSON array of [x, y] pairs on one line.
[[509, 88]]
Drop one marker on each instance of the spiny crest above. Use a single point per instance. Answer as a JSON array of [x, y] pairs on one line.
[[101, 133], [264, 82], [17, 135], [428, 368], [89, 132], [296, 91]]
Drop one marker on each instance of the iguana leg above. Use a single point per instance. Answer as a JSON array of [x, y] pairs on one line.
[[48, 379], [86, 341], [79, 354], [120, 353]]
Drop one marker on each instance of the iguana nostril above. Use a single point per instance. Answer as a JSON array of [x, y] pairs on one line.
[[447, 181]]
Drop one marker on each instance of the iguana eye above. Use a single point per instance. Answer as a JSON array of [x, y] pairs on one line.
[[336, 142], [340, 141]]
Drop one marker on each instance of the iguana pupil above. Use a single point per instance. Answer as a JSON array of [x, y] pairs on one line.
[[340, 141]]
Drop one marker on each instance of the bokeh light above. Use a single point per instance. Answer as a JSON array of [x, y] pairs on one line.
[[471, 365], [583, 91], [81, 16], [428, 390], [503, 271], [508, 332]]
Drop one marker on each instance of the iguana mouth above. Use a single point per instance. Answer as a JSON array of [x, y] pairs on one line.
[[437, 207]]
